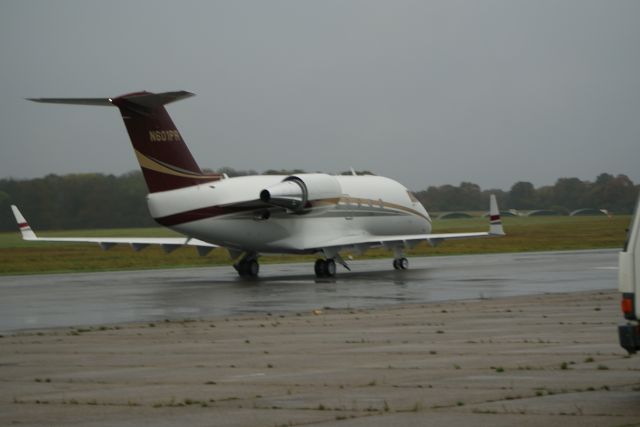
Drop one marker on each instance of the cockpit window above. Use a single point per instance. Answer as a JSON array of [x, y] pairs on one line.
[[413, 197]]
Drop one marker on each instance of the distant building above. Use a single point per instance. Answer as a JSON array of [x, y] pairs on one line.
[[589, 211]]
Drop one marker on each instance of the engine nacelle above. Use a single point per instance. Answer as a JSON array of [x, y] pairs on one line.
[[296, 192]]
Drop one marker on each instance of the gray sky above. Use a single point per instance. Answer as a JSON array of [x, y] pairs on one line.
[[426, 92]]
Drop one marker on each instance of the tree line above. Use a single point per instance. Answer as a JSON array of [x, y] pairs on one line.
[[617, 194], [77, 201]]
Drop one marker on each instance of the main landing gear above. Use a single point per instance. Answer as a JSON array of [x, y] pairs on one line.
[[325, 268], [401, 263], [248, 266]]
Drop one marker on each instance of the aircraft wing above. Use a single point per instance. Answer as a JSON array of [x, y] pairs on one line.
[[361, 243], [365, 241], [374, 240], [168, 244]]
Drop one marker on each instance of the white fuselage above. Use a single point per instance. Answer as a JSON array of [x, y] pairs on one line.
[[229, 213]]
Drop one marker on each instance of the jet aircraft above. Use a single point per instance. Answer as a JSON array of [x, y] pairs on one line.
[[305, 213]]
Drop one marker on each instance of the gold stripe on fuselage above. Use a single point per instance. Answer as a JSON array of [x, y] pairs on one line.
[[149, 163]]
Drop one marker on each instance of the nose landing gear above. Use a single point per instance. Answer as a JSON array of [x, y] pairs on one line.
[[401, 263]]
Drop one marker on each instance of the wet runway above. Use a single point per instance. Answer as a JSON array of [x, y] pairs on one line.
[[84, 299]]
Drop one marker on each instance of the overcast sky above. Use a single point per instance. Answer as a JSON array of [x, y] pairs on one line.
[[425, 92]]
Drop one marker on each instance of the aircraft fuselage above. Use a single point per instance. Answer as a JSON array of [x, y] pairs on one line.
[[229, 213]]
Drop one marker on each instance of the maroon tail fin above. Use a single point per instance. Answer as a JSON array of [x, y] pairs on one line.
[[165, 160]]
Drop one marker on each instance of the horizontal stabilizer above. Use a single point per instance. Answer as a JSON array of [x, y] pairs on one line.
[[145, 99], [103, 102], [151, 100]]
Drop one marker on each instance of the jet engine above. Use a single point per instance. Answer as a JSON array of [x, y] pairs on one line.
[[296, 192]]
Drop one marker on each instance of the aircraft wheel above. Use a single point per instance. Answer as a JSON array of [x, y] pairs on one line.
[[248, 268], [252, 268], [401, 263], [318, 268], [325, 268], [330, 268]]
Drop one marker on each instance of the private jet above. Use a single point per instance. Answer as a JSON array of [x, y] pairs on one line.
[[305, 213]]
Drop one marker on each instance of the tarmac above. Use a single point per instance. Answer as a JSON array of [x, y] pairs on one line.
[[85, 299], [533, 358]]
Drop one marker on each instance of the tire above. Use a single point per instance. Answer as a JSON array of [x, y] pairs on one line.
[[319, 268], [403, 263], [252, 268], [330, 268], [248, 268]]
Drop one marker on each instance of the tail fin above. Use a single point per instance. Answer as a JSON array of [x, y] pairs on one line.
[[165, 160]]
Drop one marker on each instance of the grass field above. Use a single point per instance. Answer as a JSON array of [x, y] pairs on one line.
[[523, 234]]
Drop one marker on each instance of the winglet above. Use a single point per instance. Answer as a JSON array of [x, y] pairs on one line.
[[25, 230], [495, 222]]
